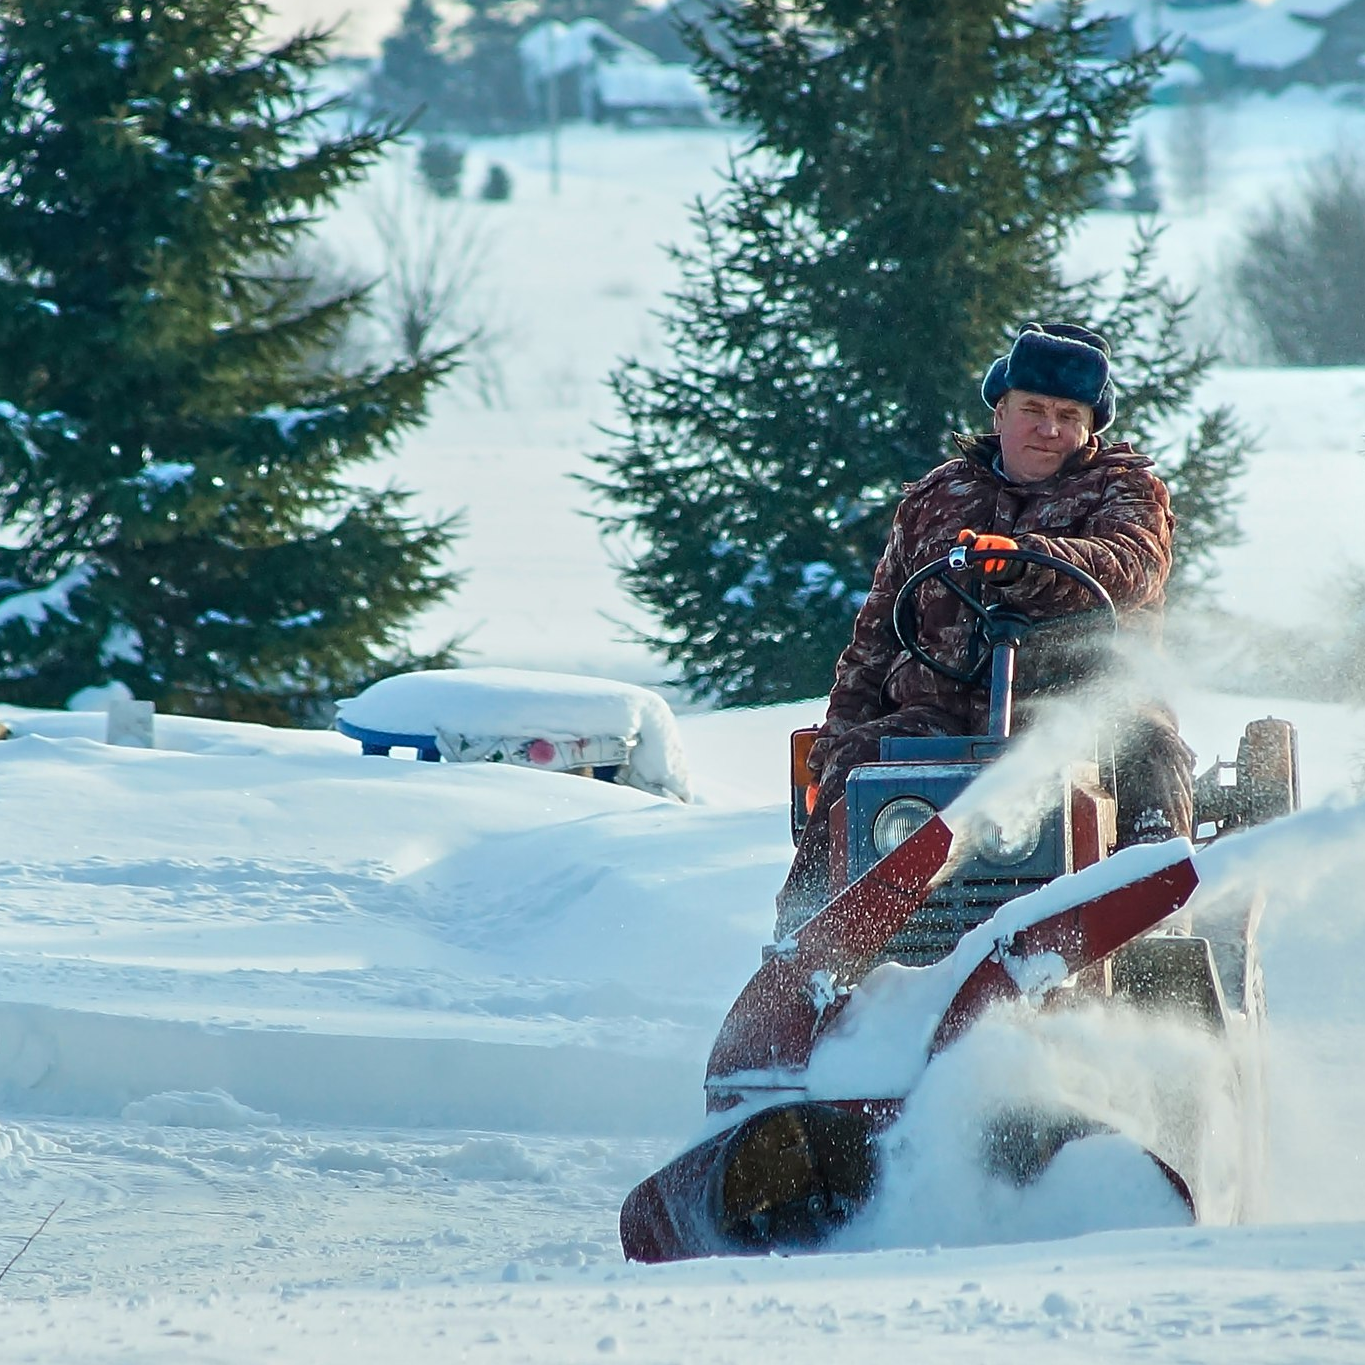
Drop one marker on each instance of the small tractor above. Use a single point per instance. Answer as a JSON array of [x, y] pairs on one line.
[[1041, 907]]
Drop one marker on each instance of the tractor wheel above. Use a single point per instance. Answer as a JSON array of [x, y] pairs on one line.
[[1268, 770]]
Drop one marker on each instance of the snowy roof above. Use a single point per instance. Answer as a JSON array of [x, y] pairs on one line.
[[1257, 35], [1254, 35], [553, 47]]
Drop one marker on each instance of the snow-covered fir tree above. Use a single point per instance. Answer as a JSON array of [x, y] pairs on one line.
[[177, 435]]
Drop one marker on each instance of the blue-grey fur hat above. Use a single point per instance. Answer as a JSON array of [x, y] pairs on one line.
[[1059, 359]]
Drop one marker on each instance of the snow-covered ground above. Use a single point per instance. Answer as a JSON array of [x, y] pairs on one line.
[[317, 1057], [315, 1054]]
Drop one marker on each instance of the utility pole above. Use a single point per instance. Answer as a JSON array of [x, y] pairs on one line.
[[552, 110]]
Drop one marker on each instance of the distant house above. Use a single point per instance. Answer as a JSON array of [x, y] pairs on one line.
[[587, 70]]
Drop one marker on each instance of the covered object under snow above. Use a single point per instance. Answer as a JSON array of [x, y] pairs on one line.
[[552, 721]]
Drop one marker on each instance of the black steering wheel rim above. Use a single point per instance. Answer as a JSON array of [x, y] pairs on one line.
[[905, 620]]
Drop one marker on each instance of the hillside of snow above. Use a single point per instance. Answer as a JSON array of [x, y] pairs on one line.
[[313, 1052]]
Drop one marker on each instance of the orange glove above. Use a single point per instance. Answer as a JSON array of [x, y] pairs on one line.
[[1001, 570]]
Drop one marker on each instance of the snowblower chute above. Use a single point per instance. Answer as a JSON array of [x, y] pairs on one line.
[[1058, 919]]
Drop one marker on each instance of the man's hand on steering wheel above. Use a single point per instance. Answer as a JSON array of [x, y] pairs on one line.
[[998, 571], [992, 623]]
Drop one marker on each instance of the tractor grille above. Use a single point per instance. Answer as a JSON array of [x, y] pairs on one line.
[[950, 911]]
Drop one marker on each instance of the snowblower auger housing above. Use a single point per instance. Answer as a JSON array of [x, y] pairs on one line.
[[793, 1167]]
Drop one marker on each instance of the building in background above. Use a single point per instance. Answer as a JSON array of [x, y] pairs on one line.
[[585, 70]]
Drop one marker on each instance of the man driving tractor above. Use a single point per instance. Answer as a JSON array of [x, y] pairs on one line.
[[1042, 480]]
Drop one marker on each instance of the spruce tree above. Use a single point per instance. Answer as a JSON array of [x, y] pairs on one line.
[[488, 93], [175, 431], [414, 76], [910, 177]]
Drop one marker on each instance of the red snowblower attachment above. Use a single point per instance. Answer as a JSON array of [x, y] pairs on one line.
[[1041, 914]]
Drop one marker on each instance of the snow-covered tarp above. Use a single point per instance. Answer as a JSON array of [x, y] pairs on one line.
[[490, 712]]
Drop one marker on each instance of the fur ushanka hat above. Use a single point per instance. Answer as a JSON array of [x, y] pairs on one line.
[[1059, 359]]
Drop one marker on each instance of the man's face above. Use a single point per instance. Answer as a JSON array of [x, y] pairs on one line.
[[1038, 434]]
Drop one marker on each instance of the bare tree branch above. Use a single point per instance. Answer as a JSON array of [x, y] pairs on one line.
[[33, 1237], [435, 258]]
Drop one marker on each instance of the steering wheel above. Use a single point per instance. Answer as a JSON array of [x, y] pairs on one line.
[[996, 622]]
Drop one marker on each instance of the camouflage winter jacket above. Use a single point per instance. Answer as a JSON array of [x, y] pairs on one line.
[[1105, 511]]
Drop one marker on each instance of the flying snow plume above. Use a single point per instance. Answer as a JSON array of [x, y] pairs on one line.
[[1297, 863], [1141, 1084], [1302, 877], [1055, 733], [1305, 876]]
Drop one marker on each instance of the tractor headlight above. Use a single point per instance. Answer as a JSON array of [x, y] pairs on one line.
[[898, 820], [1005, 845]]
